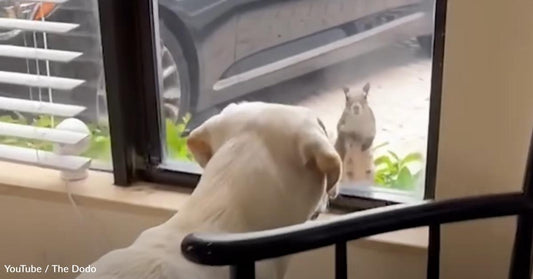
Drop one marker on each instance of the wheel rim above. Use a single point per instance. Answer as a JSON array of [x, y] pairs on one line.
[[171, 92]]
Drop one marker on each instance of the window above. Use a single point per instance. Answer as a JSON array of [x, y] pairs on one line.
[[370, 69], [51, 70], [367, 64]]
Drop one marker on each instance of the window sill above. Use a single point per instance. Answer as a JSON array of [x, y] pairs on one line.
[[98, 188], [34, 182]]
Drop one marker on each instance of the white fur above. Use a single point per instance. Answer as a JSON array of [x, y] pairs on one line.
[[266, 166]]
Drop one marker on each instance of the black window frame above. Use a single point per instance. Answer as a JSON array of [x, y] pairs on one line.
[[130, 64], [130, 67]]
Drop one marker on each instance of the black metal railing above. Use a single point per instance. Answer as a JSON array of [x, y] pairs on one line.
[[241, 251]]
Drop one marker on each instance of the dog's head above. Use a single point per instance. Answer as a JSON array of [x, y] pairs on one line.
[[290, 130]]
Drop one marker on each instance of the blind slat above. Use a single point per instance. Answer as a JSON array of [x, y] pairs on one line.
[[68, 140], [41, 158], [45, 1], [37, 107], [37, 25], [38, 53], [39, 133], [39, 80]]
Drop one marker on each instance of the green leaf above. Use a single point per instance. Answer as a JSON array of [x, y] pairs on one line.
[[384, 171], [405, 180], [394, 155], [45, 121], [410, 158], [176, 143], [381, 179], [172, 139], [384, 160], [41, 145], [100, 147], [10, 119]]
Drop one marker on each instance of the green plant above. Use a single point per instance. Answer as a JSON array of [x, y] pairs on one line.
[[394, 172], [41, 121], [176, 143], [99, 147], [100, 144]]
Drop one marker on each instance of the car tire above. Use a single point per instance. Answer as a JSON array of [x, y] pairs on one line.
[[426, 43], [172, 108]]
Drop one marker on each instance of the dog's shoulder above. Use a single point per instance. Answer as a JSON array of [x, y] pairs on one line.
[[133, 263]]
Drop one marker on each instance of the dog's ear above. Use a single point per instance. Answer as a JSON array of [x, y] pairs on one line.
[[199, 145], [318, 153]]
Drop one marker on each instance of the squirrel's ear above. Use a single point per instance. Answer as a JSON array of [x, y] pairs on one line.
[[366, 88], [346, 91]]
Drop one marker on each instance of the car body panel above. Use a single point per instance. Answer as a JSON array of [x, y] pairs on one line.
[[315, 59], [284, 21], [235, 37], [234, 47]]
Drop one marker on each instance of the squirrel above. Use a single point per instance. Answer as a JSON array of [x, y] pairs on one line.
[[356, 131]]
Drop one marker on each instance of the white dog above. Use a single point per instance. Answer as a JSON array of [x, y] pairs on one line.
[[265, 166]]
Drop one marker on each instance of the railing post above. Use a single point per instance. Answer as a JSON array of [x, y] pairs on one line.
[[243, 271], [341, 266], [521, 259], [433, 261], [523, 243]]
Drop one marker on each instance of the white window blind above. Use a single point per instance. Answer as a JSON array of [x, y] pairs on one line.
[[67, 140]]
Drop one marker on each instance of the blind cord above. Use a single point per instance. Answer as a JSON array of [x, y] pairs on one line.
[[94, 245], [73, 202]]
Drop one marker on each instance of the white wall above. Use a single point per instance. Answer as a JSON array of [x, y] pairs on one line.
[[40, 230], [487, 117]]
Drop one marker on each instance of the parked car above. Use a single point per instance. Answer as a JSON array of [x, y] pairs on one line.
[[213, 51]]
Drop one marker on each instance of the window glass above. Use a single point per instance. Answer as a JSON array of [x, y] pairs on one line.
[[51, 68], [363, 66]]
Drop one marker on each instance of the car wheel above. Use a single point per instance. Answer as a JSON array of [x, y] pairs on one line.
[[426, 43], [175, 94]]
